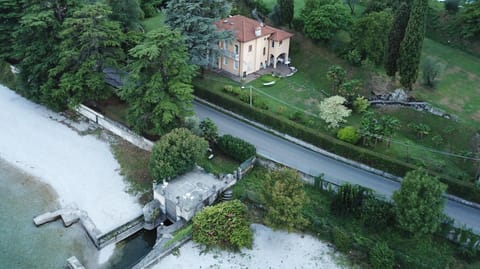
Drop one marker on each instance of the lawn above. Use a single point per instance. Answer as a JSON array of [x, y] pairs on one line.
[[220, 164], [457, 90]]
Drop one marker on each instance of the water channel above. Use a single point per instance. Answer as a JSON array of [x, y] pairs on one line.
[[22, 245]]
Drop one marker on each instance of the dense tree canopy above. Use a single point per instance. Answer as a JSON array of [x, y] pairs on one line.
[[419, 203], [10, 13], [469, 19], [369, 35], [90, 41], [176, 153], [36, 45], [159, 90], [127, 12], [325, 20], [195, 21], [284, 197]]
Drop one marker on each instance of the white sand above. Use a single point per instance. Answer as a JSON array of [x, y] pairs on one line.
[[81, 169], [271, 249]]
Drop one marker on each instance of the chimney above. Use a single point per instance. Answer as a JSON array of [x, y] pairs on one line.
[[258, 31]]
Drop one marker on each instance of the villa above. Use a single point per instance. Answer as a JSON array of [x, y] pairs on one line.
[[256, 46]]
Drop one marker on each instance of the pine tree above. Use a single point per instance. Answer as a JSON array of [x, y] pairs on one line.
[[127, 12], [195, 21], [36, 44], [159, 92], [395, 37], [411, 46], [286, 8], [90, 41], [10, 14]]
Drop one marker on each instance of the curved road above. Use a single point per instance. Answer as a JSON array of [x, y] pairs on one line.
[[314, 163]]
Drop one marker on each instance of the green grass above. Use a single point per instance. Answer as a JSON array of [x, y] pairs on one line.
[[179, 235], [457, 88], [134, 166], [153, 22], [220, 164]]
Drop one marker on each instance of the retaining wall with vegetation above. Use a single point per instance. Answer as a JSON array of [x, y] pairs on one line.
[[115, 128]]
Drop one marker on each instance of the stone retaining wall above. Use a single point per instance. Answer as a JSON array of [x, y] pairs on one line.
[[115, 128]]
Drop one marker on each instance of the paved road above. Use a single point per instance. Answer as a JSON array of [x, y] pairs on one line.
[[313, 163]]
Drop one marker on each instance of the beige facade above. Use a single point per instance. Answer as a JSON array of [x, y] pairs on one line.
[[256, 46]]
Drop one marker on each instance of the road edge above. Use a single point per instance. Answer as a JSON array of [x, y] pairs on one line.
[[324, 152]]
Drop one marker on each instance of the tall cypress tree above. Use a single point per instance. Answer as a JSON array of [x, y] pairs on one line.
[[286, 11], [411, 46], [395, 37]]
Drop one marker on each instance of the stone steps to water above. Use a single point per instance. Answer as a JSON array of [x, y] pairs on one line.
[[68, 216]]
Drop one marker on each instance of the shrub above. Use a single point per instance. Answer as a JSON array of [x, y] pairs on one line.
[[297, 116], [333, 111], [209, 130], [236, 148], [354, 57], [419, 203], [284, 197], [176, 153], [348, 134], [349, 199], [223, 225], [377, 214], [430, 71], [341, 239], [381, 257], [228, 89], [260, 104], [360, 104], [267, 78]]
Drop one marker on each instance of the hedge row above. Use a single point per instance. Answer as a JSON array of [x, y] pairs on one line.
[[377, 160], [236, 148]]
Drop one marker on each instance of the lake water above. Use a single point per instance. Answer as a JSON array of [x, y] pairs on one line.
[[23, 245]]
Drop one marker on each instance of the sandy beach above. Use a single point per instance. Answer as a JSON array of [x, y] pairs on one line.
[[271, 249], [81, 169]]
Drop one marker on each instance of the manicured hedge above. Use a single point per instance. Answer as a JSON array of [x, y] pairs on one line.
[[236, 148], [380, 161]]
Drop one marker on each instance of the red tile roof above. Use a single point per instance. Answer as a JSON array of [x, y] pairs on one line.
[[244, 29]]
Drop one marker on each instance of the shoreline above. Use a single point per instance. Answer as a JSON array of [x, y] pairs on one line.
[[81, 170], [48, 246]]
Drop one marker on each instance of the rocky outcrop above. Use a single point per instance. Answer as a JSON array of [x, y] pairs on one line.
[[400, 98]]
